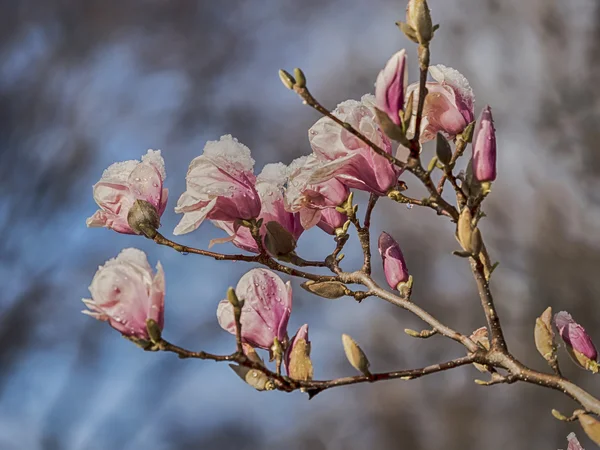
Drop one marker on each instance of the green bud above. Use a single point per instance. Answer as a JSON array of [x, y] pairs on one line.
[[591, 426], [300, 78], [356, 357], [255, 378], [143, 218], [233, 298], [154, 331], [278, 240], [443, 149], [287, 80], [544, 336], [408, 31], [325, 289]]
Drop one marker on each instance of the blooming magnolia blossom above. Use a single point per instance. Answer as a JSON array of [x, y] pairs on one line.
[[266, 311], [578, 343], [315, 202], [348, 158], [449, 104], [125, 182], [394, 266], [484, 147], [220, 186], [126, 293], [391, 85], [270, 187]]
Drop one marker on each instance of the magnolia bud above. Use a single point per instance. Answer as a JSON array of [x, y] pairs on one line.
[[480, 337], [578, 343], [233, 298], [287, 80], [255, 378], [143, 218], [484, 147], [418, 17], [298, 363], [544, 336], [278, 240], [390, 87], [325, 289], [591, 427], [394, 266], [355, 355], [250, 352], [443, 150], [300, 77], [468, 237]]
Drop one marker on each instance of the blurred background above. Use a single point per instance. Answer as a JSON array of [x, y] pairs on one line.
[[87, 83]]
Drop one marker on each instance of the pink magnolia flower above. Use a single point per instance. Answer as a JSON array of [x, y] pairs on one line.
[[315, 202], [125, 182], [394, 266], [346, 157], [449, 105], [266, 311], [270, 187], [484, 147], [391, 85], [578, 343], [220, 186], [125, 293], [573, 442]]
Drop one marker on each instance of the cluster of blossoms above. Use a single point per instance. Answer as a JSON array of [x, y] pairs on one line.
[[358, 146]]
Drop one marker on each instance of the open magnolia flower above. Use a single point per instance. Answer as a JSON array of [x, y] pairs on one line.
[[270, 187], [125, 182], [266, 311], [126, 293], [348, 158], [315, 202], [220, 186], [449, 104]]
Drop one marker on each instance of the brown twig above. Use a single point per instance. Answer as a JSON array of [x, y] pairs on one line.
[[309, 100]]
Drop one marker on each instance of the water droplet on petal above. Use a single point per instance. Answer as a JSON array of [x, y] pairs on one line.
[[409, 206]]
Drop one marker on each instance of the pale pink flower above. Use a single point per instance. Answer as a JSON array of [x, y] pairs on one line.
[[577, 341], [266, 311], [390, 86], [270, 187], [315, 202], [573, 442], [449, 105], [348, 158], [394, 266], [126, 293], [125, 182], [484, 147], [220, 186]]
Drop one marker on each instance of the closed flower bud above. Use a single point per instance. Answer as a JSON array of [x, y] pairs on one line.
[[297, 358], [419, 19], [577, 342], [484, 147], [278, 240], [544, 336], [325, 289], [143, 218], [255, 378], [480, 337], [356, 357], [591, 426], [573, 442], [127, 294], [468, 237], [394, 266], [287, 80], [443, 150], [390, 87]]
